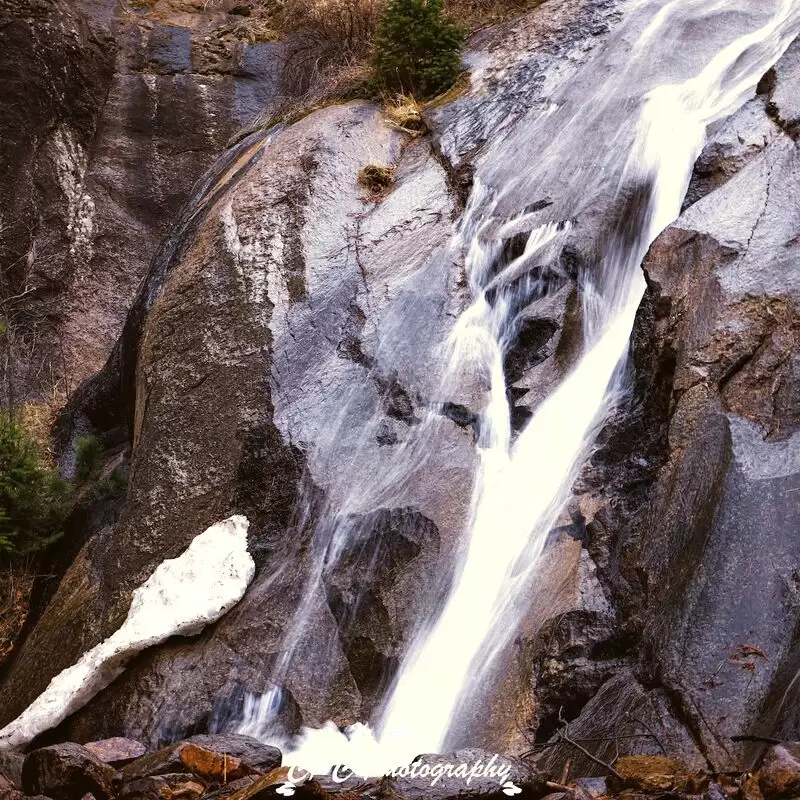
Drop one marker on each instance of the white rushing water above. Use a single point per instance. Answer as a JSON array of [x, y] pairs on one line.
[[523, 486], [632, 138]]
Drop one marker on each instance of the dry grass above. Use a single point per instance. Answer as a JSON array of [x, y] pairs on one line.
[[404, 113], [474, 15], [16, 587], [376, 179], [328, 45], [38, 419]]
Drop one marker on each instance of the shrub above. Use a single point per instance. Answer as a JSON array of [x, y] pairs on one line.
[[326, 42], [376, 179], [87, 458], [32, 496], [417, 47]]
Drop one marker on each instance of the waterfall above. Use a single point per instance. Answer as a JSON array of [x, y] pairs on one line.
[[619, 143]]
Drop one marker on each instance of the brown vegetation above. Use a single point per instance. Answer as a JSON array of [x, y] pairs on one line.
[[329, 43], [376, 179], [16, 585]]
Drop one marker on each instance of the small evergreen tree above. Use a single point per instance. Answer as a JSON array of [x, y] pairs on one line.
[[417, 47], [32, 497], [87, 458]]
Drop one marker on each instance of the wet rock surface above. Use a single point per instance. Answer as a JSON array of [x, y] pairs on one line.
[[321, 279], [693, 471], [301, 309]]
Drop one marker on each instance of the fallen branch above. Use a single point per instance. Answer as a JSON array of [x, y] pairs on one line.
[[563, 734], [650, 733], [599, 761], [557, 787]]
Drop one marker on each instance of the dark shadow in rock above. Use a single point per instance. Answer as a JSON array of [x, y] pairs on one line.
[[367, 583]]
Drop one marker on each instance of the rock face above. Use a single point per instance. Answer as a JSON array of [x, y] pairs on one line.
[[689, 507], [55, 77], [310, 286], [282, 360], [273, 329], [110, 113]]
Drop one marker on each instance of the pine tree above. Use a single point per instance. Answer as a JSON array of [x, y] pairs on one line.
[[417, 47], [32, 497]]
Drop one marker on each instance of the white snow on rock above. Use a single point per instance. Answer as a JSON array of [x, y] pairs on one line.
[[180, 598]]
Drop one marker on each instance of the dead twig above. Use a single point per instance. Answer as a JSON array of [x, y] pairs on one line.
[[650, 733], [538, 747], [563, 734], [599, 761]]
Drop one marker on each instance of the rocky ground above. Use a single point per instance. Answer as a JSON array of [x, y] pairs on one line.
[[237, 767]]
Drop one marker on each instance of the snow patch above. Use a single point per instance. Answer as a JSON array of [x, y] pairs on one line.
[[180, 598]]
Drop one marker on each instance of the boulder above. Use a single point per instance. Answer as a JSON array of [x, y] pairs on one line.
[[117, 751], [252, 753], [212, 766], [66, 771], [464, 773], [163, 787], [779, 776], [208, 756], [11, 767]]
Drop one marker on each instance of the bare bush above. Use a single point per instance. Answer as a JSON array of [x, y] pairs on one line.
[[327, 42], [475, 14]]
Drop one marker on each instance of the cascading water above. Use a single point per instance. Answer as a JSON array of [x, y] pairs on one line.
[[628, 142]]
